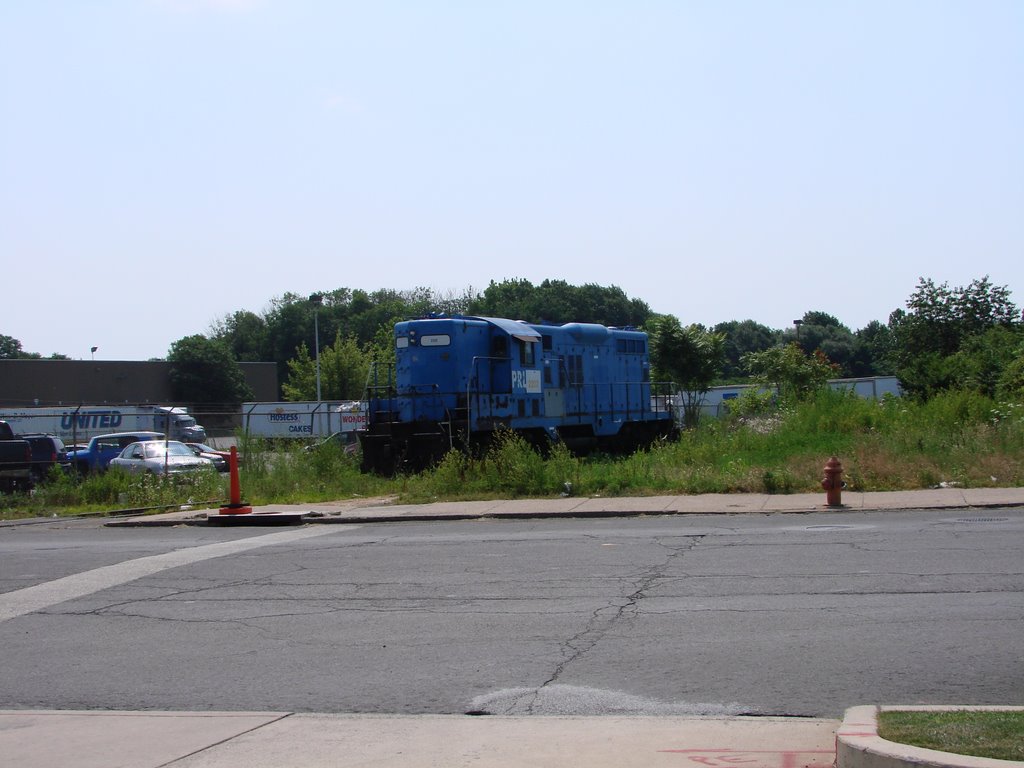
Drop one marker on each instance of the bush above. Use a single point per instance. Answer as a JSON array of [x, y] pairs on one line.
[[1011, 382], [513, 466]]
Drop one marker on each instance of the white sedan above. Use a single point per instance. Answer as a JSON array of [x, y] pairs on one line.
[[158, 457]]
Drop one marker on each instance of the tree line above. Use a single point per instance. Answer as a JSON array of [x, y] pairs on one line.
[[966, 337], [354, 328]]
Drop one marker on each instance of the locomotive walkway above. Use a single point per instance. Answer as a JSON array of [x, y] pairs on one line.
[[88, 739]]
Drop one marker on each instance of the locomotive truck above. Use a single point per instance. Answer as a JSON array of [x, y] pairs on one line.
[[458, 380]]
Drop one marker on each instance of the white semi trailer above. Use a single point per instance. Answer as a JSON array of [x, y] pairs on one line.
[[80, 423], [307, 419]]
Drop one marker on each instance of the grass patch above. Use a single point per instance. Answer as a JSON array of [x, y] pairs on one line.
[[997, 735], [70, 494], [885, 445]]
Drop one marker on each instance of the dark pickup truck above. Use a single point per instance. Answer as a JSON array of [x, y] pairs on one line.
[[15, 460], [48, 451]]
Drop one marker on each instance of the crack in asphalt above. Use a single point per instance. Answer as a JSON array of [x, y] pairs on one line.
[[604, 618]]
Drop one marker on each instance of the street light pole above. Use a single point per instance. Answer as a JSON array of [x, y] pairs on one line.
[[317, 301]]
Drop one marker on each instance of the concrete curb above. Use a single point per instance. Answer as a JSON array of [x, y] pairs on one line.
[[858, 744], [378, 514]]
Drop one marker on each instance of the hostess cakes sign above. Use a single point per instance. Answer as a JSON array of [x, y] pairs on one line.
[[303, 419]]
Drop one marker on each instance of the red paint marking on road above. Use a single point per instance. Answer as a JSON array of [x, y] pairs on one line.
[[730, 758]]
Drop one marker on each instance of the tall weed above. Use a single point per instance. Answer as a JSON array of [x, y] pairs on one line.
[[114, 490]]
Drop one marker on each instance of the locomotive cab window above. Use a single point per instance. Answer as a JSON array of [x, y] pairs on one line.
[[527, 355]]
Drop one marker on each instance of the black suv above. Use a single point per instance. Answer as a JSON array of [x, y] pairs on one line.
[[47, 451]]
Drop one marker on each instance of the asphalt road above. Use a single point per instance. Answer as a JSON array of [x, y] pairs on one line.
[[766, 614]]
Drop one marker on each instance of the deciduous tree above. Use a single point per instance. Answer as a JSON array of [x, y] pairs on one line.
[[937, 323], [343, 370], [203, 371], [691, 356], [742, 337], [795, 373]]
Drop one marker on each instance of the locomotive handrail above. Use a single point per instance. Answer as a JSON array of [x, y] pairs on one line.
[[473, 377], [373, 391], [372, 372]]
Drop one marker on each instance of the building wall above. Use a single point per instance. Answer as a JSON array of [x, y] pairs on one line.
[[67, 382]]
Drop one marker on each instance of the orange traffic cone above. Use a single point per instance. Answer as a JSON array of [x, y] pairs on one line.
[[236, 506]]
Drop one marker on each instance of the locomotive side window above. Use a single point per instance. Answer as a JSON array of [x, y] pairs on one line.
[[499, 347], [527, 356], [629, 346]]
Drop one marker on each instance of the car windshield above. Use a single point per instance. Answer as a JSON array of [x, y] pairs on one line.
[[156, 450]]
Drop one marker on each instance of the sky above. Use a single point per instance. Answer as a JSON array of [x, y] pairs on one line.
[[166, 163]]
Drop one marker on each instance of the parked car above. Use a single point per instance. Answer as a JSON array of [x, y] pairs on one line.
[[103, 448], [220, 459], [158, 457], [47, 452]]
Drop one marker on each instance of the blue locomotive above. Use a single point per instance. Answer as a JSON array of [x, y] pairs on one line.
[[457, 380]]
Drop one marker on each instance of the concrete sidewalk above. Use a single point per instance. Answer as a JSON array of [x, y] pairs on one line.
[[94, 739], [34, 739], [384, 510]]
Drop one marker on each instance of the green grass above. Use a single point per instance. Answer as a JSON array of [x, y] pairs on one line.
[[892, 444], [998, 735], [69, 494]]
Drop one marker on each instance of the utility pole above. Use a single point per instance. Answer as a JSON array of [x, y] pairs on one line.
[[317, 300]]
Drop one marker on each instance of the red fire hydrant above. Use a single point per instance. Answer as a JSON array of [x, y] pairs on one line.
[[833, 483]]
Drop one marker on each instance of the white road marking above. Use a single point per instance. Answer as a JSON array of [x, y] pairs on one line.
[[29, 599]]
